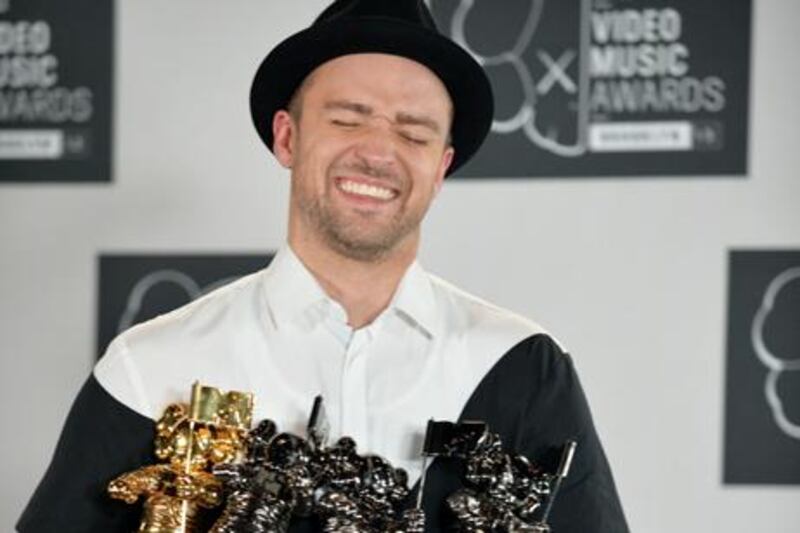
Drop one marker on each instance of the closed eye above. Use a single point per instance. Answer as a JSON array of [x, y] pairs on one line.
[[413, 139], [345, 123]]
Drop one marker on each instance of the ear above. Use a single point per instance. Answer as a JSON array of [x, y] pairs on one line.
[[283, 134], [447, 160]]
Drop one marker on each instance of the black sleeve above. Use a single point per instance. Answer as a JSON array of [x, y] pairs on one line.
[[558, 411], [101, 439], [533, 399]]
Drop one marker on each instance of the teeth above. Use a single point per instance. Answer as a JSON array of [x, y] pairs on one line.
[[366, 190]]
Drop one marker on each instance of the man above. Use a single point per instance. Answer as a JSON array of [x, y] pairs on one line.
[[370, 108]]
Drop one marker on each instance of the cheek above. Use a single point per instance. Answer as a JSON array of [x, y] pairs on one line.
[[425, 168], [312, 163], [328, 155]]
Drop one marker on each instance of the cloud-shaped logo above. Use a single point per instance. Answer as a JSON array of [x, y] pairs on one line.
[[158, 281], [778, 321], [509, 66]]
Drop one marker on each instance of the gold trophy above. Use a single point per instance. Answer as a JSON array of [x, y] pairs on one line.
[[191, 440]]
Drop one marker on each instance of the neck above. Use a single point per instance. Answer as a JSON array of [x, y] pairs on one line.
[[364, 289]]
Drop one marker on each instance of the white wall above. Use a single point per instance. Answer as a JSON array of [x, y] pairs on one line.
[[629, 274]]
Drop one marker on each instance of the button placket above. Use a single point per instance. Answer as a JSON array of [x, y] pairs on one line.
[[354, 389]]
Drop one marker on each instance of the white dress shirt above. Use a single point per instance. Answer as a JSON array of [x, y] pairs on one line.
[[277, 334]]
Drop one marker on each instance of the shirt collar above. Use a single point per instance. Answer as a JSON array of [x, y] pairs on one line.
[[290, 289], [292, 293], [415, 301]]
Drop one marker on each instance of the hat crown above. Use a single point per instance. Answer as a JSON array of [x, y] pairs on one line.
[[410, 11], [399, 27]]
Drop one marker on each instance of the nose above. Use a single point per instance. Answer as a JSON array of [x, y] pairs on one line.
[[376, 146]]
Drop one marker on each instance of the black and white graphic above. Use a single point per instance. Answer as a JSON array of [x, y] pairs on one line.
[[609, 87], [762, 429], [135, 288], [55, 90]]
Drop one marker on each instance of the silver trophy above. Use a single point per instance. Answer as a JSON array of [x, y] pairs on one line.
[[285, 476], [259, 494], [503, 492]]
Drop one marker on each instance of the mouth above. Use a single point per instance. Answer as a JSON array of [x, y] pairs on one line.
[[366, 190]]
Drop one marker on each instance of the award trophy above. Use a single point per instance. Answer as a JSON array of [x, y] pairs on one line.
[[258, 495], [355, 493], [503, 492], [284, 475], [190, 439], [275, 481], [362, 494]]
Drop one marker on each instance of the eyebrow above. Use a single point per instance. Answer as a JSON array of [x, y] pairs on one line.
[[415, 120], [406, 119], [361, 109]]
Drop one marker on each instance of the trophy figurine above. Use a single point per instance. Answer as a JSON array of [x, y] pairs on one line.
[[504, 493], [259, 498], [275, 481], [285, 476], [190, 440]]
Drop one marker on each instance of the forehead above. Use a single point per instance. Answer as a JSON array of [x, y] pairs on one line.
[[385, 80]]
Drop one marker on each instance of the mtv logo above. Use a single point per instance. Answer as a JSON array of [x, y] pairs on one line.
[[534, 53], [608, 87]]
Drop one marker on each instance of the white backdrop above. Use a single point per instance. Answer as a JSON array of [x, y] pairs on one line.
[[630, 274]]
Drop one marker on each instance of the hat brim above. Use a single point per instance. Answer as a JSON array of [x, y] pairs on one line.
[[284, 69]]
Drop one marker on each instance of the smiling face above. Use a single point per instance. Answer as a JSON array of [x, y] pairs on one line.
[[368, 149]]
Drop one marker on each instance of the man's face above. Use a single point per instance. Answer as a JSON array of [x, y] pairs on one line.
[[368, 153]]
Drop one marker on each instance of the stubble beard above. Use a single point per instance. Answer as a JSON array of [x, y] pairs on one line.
[[342, 234], [352, 235]]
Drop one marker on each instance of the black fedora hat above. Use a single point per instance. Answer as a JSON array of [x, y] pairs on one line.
[[398, 27]]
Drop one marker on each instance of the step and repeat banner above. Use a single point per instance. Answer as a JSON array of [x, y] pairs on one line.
[[55, 90], [609, 87], [584, 88]]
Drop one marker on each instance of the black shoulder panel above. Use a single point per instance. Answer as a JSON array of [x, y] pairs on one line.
[[533, 399], [101, 439]]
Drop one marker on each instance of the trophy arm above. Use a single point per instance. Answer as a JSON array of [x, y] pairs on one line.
[[140, 482]]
